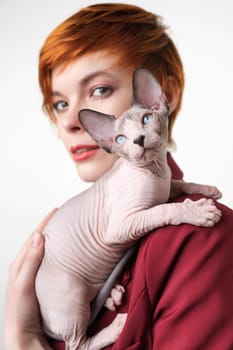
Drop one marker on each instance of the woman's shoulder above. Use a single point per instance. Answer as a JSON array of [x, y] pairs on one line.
[[185, 242], [185, 274], [186, 261]]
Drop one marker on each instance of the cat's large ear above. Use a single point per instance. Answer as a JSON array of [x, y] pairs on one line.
[[148, 92], [100, 126]]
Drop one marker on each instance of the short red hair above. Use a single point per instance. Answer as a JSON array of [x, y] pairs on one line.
[[137, 34]]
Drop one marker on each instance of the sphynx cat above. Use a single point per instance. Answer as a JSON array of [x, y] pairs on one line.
[[88, 235]]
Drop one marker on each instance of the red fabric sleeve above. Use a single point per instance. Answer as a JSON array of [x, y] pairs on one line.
[[182, 290]]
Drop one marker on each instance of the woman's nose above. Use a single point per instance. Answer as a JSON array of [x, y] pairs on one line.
[[70, 122]]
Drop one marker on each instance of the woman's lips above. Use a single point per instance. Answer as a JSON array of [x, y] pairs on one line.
[[83, 152]]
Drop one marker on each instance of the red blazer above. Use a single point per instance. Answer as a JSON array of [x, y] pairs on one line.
[[179, 289]]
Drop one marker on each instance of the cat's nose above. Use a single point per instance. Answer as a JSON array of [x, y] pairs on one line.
[[140, 140]]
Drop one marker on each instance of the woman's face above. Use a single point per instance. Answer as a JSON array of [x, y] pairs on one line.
[[94, 81]]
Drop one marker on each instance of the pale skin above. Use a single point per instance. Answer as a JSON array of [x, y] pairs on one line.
[[96, 81]]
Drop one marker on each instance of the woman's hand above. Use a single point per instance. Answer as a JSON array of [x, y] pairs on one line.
[[22, 327]]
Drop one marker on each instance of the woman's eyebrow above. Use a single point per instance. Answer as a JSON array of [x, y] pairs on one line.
[[85, 80], [55, 93]]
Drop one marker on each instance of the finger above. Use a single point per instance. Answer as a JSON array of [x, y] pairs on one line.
[[32, 260], [44, 222], [17, 263]]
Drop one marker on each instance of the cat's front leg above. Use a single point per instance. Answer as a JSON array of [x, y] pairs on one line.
[[202, 212], [179, 187]]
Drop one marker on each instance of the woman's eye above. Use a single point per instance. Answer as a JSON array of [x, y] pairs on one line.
[[120, 139], [147, 119], [60, 106], [101, 90]]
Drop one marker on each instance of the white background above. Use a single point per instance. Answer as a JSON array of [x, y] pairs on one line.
[[36, 173]]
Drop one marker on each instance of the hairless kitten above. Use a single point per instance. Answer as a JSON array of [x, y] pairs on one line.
[[89, 234]]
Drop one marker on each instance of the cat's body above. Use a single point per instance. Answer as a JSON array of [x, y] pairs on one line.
[[87, 247], [89, 234]]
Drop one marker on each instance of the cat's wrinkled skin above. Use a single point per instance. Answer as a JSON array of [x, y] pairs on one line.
[[87, 236]]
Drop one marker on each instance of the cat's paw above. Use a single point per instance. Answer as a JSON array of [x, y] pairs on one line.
[[115, 298], [211, 191], [202, 212], [107, 335]]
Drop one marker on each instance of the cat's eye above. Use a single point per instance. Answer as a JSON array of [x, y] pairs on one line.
[[147, 119], [120, 139]]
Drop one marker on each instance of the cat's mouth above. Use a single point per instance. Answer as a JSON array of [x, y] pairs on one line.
[[149, 153]]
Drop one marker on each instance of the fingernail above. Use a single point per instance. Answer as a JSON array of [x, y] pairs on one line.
[[36, 239]]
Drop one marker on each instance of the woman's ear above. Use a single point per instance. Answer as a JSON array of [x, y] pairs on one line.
[[172, 93]]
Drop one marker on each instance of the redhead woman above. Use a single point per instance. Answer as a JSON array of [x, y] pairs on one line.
[[179, 285]]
